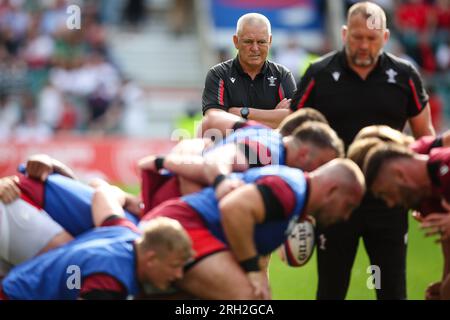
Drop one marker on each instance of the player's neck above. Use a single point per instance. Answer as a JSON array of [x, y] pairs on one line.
[[314, 195]]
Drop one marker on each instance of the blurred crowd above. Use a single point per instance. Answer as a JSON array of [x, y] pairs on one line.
[[55, 79]]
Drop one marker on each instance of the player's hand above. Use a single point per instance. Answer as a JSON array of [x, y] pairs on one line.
[[433, 291], [260, 284], [9, 191], [39, 166], [417, 216], [437, 224], [284, 104], [134, 205], [226, 186], [147, 163]]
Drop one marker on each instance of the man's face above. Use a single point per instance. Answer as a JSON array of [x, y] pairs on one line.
[[363, 42], [339, 206], [253, 44], [396, 191], [164, 270]]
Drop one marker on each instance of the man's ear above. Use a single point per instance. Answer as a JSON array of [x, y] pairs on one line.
[[344, 32], [396, 170], [235, 41], [330, 192], [150, 257], [386, 35]]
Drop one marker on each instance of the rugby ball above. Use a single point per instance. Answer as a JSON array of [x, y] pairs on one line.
[[299, 244]]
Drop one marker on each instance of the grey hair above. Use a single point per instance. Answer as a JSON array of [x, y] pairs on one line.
[[252, 18]]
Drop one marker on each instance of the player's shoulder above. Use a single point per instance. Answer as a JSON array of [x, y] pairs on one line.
[[324, 62], [400, 64], [222, 67]]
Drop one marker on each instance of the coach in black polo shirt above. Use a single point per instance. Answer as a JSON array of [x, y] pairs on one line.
[[356, 87], [249, 85]]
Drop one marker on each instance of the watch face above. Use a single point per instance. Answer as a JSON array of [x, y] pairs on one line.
[[244, 112]]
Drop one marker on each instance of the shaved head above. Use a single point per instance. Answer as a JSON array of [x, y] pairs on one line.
[[376, 18], [345, 172]]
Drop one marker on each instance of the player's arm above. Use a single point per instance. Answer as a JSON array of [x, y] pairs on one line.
[[39, 166], [304, 95], [102, 287], [217, 122], [445, 138], [9, 190], [421, 124], [240, 210], [106, 202], [270, 118], [200, 169], [239, 218], [418, 106]]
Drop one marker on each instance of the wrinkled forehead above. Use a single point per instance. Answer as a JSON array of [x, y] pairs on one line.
[[254, 27]]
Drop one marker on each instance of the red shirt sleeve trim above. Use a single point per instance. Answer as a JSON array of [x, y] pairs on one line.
[[101, 282], [416, 97], [305, 97]]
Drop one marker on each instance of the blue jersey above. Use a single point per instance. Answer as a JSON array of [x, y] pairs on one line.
[[55, 274], [69, 203], [271, 139], [268, 235]]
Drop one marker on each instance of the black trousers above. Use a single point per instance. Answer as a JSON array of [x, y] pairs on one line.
[[384, 232]]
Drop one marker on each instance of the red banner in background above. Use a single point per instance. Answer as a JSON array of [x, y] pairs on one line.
[[113, 159]]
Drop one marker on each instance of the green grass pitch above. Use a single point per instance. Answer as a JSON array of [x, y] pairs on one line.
[[424, 265]]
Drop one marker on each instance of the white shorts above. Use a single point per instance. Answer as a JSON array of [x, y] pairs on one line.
[[24, 231]]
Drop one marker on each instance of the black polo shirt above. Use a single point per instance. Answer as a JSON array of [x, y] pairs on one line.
[[392, 93], [227, 85]]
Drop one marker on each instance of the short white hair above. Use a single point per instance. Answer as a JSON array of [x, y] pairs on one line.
[[252, 18]]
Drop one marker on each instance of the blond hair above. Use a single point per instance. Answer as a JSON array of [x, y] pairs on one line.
[[164, 235]]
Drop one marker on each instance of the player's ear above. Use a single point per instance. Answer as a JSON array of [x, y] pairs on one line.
[[396, 171], [150, 257], [330, 192], [302, 154]]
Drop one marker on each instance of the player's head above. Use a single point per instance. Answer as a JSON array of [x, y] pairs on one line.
[[389, 176], [339, 189], [253, 39], [358, 150], [299, 117], [311, 145], [163, 251], [384, 133], [365, 34]]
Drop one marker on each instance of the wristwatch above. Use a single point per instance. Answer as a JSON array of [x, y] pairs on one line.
[[245, 112]]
